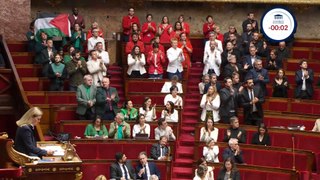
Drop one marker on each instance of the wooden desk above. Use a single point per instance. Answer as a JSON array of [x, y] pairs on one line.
[[53, 168]]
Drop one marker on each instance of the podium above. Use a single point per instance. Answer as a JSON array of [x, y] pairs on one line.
[[64, 164]]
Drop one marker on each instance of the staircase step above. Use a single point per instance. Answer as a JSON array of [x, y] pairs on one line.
[[187, 129], [183, 162], [182, 172], [189, 121], [186, 140]]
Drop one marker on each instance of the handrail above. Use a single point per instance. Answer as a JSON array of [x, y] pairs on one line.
[[22, 94]]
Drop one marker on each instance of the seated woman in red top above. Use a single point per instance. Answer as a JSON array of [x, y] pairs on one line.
[[135, 29], [187, 49], [155, 60], [94, 25], [164, 30], [185, 26], [177, 30], [149, 29], [149, 48], [208, 26]]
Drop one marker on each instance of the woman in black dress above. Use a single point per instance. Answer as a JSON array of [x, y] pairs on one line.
[[280, 85], [229, 171], [261, 137]]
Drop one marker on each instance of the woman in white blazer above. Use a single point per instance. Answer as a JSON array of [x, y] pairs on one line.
[[210, 104], [136, 62]]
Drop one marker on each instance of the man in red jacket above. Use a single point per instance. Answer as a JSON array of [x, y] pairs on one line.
[[127, 22]]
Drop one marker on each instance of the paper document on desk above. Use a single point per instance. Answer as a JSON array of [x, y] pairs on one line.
[[57, 150]]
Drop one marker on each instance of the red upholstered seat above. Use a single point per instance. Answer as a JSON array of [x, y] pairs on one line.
[[66, 115], [92, 170], [9, 173], [75, 130], [88, 151], [107, 151]]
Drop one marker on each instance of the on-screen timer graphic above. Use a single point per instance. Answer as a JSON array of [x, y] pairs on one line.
[[278, 24]]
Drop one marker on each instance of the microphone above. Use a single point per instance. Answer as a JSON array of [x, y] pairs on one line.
[[293, 153]]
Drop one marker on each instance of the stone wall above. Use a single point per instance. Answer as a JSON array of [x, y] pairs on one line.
[[108, 13], [14, 18]]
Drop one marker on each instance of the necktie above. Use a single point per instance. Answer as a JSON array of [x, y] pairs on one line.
[[145, 172], [254, 108], [109, 96], [125, 171]]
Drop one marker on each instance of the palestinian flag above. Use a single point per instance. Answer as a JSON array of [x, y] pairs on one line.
[[53, 25]]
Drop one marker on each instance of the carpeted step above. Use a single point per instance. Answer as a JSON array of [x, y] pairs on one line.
[[182, 172], [190, 121], [191, 100], [183, 162], [186, 140], [185, 152], [187, 129], [191, 114]]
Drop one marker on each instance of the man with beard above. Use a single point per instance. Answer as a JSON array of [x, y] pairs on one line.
[[121, 169], [104, 55], [252, 21], [76, 68], [251, 100], [228, 101]]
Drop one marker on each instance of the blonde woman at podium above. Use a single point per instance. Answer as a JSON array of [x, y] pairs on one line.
[[25, 141]]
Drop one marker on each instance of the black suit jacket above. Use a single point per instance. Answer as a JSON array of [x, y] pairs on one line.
[[228, 153], [101, 104], [25, 142], [234, 175], [245, 101], [152, 168], [299, 82], [206, 87], [116, 173], [247, 59], [227, 101], [155, 151]]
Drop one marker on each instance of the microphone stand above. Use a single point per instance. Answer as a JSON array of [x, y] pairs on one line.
[[293, 154]]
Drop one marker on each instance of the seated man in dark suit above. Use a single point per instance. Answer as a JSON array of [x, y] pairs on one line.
[[145, 169], [304, 80], [160, 151], [121, 169], [233, 151], [235, 131]]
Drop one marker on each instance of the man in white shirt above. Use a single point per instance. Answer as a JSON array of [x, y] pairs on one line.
[[212, 60], [212, 37], [95, 39], [175, 57], [174, 82], [96, 68], [104, 55]]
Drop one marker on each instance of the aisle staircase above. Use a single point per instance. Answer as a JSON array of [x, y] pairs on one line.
[[184, 157]]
